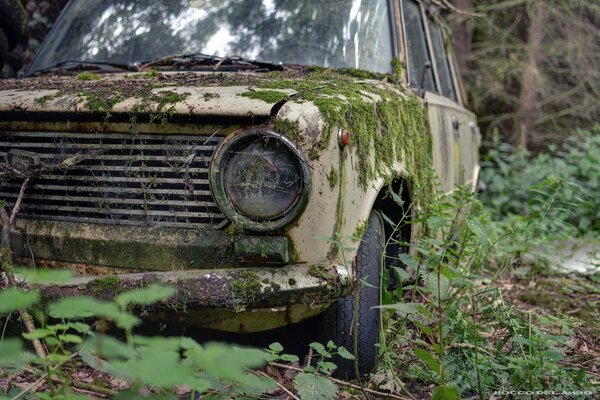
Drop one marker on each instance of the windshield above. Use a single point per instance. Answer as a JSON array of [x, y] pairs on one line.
[[329, 33]]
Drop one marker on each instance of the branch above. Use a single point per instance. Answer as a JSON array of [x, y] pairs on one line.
[[6, 263], [279, 385], [445, 4], [43, 378], [344, 383]]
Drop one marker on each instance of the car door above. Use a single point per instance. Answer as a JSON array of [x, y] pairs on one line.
[[453, 127], [462, 121]]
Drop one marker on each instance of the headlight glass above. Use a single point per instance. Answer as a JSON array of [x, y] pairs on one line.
[[260, 179], [263, 179]]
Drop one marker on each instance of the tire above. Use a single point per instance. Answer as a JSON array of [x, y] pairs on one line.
[[337, 322], [13, 20]]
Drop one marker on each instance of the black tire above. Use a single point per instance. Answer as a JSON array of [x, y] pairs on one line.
[[13, 20], [337, 323]]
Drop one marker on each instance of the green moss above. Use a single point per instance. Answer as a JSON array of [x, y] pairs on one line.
[[291, 129], [150, 74], [43, 100], [397, 68], [208, 96], [246, 288], [333, 178], [321, 272], [104, 287], [268, 96], [100, 101], [88, 76], [360, 230]]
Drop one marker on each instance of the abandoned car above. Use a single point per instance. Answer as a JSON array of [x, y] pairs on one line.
[[243, 151]]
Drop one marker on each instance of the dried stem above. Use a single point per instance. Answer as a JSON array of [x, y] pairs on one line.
[[344, 383], [6, 262]]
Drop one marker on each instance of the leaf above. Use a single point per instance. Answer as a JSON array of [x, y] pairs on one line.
[[37, 334], [84, 307], [41, 276], [403, 309], [445, 392], [431, 281], [428, 359], [408, 260], [15, 299], [320, 349], [108, 347], [145, 296], [225, 362], [256, 386], [342, 352], [476, 227], [276, 347], [552, 355], [289, 358], [68, 338], [314, 387], [10, 350]]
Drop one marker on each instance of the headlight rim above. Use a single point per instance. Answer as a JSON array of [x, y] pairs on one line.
[[217, 187]]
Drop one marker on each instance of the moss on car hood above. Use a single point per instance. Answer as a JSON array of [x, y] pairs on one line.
[[388, 124]]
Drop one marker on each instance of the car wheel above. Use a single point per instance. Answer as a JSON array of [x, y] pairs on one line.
[[353, 321], [13, 21]]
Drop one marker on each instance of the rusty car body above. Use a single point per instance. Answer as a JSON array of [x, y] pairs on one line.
[[246, 185]]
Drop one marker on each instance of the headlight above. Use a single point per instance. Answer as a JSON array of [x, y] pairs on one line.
[[260, 180]]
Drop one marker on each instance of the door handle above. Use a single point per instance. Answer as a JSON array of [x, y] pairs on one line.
[[455, 122]]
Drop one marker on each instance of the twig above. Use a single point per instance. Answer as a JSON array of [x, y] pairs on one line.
[[449, 6], [43, 378], [344, 383], [89, 387], [6, 263], [279, 385]]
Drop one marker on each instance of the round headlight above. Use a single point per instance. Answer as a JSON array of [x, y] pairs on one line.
[[260, 180]]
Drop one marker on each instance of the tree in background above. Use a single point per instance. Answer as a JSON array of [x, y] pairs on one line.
[[42, 15], [532, 67]]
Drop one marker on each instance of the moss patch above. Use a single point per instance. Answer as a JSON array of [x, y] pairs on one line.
[[88, 76], [105, 288], [291, 129], [360, 230], [246, 288], [321, 272], [333, 178], [208, 96]]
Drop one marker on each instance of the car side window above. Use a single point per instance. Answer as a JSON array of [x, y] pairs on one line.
[[442, 62], [417, 52]]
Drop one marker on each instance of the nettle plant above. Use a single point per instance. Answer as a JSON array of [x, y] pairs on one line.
[[447, 324], [74, 332]]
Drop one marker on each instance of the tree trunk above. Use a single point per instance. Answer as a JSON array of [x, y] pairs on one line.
[[531, 80]]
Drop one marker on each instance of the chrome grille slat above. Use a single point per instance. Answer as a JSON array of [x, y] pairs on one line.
[[78, 189], [122, 179]]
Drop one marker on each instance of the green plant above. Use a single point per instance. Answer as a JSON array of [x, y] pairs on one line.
[[451, 319], [518, 185]]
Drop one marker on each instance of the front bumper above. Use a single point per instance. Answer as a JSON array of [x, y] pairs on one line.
[[235, 300], [221, 280]]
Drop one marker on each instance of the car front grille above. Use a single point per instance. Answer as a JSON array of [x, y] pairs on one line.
[[121, 179]]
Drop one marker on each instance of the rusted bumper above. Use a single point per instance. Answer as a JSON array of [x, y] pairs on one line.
[[246, 300]]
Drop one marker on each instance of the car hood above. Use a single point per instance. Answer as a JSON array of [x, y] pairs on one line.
[[189, 93]]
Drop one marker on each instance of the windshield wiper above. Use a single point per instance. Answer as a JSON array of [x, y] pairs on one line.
[[85, 65], [206, 59]]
